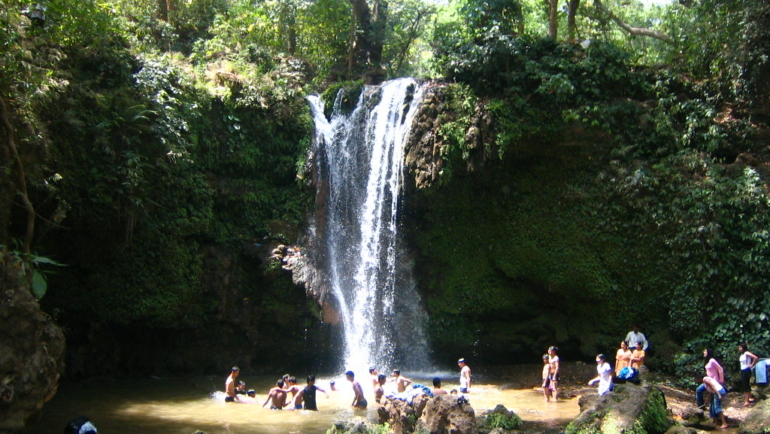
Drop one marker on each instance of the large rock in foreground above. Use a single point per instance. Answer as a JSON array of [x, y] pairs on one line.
[[31, 350], [448, 414], [630, 409], [758, 420]]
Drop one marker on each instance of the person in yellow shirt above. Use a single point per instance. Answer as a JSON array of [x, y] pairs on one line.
[[622, 357], [637, 357]]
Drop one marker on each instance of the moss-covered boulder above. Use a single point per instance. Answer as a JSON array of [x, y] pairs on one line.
[[499, 418], [629, 409], [758, 420], [31, 349]]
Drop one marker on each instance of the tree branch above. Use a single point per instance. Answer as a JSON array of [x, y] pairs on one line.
[[11, 147], [636, 31]]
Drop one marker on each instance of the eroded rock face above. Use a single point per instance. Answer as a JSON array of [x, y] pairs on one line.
[[758, 420], [447, 414], [31, 350], [632, 409]]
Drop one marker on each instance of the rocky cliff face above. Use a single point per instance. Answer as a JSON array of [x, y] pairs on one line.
[[31, 350]]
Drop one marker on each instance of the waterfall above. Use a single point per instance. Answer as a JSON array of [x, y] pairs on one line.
[[359, 165]]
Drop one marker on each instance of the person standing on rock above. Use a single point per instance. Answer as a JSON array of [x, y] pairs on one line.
[[554, 361], [747, 360], [605, 375], [635, 336], [465, 376]]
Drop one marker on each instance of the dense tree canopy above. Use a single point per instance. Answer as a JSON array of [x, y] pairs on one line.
[[146, 143]]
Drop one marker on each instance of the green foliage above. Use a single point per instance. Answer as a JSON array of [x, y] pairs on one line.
[[505, 420], [32, 269]]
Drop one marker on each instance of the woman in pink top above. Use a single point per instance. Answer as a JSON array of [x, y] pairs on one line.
[[713, 370]]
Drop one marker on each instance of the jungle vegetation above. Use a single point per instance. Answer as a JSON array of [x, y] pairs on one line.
[[149, 145]]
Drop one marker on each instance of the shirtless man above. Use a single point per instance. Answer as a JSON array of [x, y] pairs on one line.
[[373, 374], [359, 402], [378, 390], [465, 376], [308, 394], [400, 380], [294, 389], [437, 390], [232, 395], [278, 396]]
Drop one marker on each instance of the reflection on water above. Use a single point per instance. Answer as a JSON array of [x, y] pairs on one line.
[[172, 406]]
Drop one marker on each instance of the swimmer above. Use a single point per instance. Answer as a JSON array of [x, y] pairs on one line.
[[278, 396], [241, 388], [379, 391], [359, 402], [232, 396], [373, 374], [437, 390], [307, 395], [401, 381], [294, 389]]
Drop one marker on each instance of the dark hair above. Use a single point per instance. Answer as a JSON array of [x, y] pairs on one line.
[[437, 382], [710, 355], [601, 356], [310, 378], [292, 379], [397, 371], [554, 349], [745, 346], [235, 368], [350, 373], [546, 357], [371, 370], [279, 383], [382, 377]]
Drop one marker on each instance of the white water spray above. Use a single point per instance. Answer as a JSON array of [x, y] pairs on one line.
[[359, 162]]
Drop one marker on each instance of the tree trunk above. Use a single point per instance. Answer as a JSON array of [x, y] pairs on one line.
[[164, 7], [553, 18], [572, 7], [22, 177], [365, 42]]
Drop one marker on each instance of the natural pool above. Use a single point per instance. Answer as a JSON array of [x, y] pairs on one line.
[[183, 405]]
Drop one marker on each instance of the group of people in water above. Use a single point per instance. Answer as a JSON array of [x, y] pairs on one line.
[[287, 393]]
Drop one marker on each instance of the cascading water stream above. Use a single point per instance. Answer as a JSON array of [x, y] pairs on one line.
[[359, 168]]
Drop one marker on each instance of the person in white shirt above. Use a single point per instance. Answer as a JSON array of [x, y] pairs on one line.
[[605, 375], [635, 336]]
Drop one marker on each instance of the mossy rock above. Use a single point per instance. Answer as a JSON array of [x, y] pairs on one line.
[[630, 409], [758, 420]]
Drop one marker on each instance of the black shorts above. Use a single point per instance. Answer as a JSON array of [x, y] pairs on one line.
[[229, 399]]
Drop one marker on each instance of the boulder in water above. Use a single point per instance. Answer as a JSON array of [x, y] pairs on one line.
[[448, 414]]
